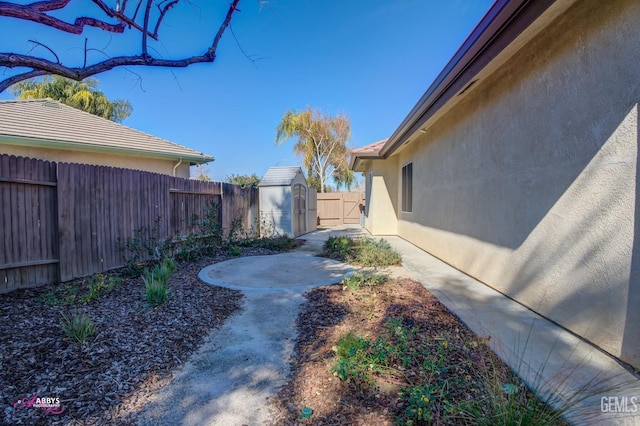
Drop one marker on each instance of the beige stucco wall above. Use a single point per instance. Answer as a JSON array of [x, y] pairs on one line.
[[99, 159], [530, 183], [381, 197]]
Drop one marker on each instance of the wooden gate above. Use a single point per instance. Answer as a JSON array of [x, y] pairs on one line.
[[339, 208]]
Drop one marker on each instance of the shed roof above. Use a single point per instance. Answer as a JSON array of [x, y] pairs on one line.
[[50, 124], [280, 176]]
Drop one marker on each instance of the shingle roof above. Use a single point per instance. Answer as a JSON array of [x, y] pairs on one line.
[[373, 148], [61, 126], [279, 176], [371, 151]]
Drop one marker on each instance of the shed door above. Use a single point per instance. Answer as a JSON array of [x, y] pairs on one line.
[[299, 209]]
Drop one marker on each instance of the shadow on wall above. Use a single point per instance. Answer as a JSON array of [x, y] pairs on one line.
[[630, 340], [558, 188], [524, 136]]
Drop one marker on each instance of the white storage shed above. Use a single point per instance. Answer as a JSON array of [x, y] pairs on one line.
[[284, 201]]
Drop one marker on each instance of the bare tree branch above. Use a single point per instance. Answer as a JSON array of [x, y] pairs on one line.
[[147, 13], [163, 12], [40, 66], [35, 12], [46, 47]]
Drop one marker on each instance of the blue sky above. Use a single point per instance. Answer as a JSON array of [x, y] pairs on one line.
[[370, 60]]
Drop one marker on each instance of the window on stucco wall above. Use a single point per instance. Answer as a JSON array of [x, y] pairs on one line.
[[367, 187], [407, 188]]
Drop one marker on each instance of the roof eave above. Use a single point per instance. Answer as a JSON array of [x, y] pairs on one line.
[[505, 20], [66, 145]]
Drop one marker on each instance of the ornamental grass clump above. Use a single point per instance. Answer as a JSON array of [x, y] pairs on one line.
[[78, 327], [156, 282]]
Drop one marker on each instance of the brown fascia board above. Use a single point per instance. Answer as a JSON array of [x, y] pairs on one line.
[[500, 26], [355, 160]]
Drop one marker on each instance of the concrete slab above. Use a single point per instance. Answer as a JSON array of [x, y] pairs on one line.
[[288, 270], [229, 380]]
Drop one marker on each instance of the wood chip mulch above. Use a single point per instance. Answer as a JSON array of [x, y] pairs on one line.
[[330, 312], [107, 380]]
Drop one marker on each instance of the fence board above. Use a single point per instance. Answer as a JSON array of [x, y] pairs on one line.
[[239, 208], [25, 260], [63, 221]]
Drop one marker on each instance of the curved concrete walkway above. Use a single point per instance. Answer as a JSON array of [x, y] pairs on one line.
[[229, 380]]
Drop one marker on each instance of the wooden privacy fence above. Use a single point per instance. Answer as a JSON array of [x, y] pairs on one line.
[[339, 208], [61, 221]]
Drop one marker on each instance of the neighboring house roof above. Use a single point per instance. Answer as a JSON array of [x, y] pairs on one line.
[[49, 124], [280, 176], [504, 29]]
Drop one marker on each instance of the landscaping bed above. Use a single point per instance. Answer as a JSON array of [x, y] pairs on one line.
[[376, 350], [108, 378], [393, 354]]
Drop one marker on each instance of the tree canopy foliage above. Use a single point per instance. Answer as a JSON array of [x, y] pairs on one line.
[[245, 181], [83, 95], [115, 17], [321, 141]]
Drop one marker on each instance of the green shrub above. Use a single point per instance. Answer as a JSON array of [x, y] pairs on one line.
[[376, 253], [339, 247], [234, 250], [364, 251], [79, 327], [363, 279]]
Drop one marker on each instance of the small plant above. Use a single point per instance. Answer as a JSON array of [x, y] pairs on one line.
[[156, 282], [82, 291], [350, 344], [359, 359], [419, 402], [79, 327], [145, 244], [234, 250], [98, 286], [156, 290], [169, 263], [363, 279]]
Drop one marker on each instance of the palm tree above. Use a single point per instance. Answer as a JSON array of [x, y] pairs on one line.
[[321, 141], [83, 95]]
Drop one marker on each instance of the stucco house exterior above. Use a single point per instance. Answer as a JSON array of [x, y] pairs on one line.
[[48, 130], [519, 165]]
